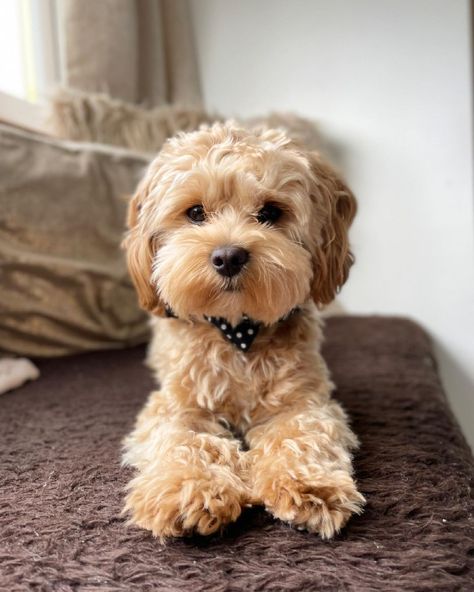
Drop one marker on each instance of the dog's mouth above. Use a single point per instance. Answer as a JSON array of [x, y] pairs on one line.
[[231, 285]]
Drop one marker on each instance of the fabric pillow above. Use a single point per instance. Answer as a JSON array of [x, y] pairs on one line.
[[96, 117], [64, 286]]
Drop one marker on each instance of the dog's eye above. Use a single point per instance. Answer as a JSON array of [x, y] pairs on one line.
[[269, 214], [196, 214]]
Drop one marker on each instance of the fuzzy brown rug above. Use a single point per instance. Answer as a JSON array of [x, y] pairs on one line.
[[61, 484]]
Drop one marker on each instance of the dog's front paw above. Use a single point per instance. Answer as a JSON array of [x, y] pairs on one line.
[[321, 505], [185, 500]]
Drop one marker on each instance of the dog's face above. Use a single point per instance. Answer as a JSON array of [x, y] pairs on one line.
[[229, 222]]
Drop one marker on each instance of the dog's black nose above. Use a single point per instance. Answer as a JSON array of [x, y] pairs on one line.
[[228, 261]]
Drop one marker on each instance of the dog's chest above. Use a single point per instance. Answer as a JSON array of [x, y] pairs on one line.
[[201, 367], [197, 366], [232, 389]]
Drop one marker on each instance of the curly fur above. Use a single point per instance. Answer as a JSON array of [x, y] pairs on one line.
[[192, 473]]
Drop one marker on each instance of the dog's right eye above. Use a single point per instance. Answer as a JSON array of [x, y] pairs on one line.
[[269, 214], [196, 214]]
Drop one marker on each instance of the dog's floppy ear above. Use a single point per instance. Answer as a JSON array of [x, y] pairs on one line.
[[140, 249], [334, 209]]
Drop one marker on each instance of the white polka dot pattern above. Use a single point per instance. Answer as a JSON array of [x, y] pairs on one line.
[[242, 335]]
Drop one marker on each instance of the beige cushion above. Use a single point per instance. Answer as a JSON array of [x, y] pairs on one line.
[[96, 117], [64, 287]]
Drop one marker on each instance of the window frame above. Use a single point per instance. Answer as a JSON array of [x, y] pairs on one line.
[[42, 65]]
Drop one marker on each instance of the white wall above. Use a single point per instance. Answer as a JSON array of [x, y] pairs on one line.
[[390, 82]]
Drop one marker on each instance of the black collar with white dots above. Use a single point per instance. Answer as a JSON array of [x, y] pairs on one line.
[[241, 335]]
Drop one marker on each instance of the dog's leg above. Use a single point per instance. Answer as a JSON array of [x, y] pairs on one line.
[[300, 465], [190, 471]]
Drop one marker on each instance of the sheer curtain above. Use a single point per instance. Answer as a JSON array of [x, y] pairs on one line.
[[139, 51]]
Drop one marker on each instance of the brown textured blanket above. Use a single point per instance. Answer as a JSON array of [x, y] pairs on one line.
[[61, 484]]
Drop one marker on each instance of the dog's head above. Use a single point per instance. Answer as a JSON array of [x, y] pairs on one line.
[[229, 222]]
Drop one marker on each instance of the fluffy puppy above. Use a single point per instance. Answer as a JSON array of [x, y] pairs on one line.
[[236, 238]]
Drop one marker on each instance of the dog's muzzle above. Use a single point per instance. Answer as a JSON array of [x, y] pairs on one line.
[[229, 261]]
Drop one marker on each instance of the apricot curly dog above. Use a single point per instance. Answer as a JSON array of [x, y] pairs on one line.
[[236, 238]]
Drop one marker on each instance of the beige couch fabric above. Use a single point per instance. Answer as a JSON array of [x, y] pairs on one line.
[[64, 287], [96, 117]]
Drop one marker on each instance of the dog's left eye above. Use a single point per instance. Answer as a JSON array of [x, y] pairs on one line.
[[196, 214], [269, 214]]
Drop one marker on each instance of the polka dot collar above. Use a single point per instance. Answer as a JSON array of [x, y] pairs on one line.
[[241, 335]]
